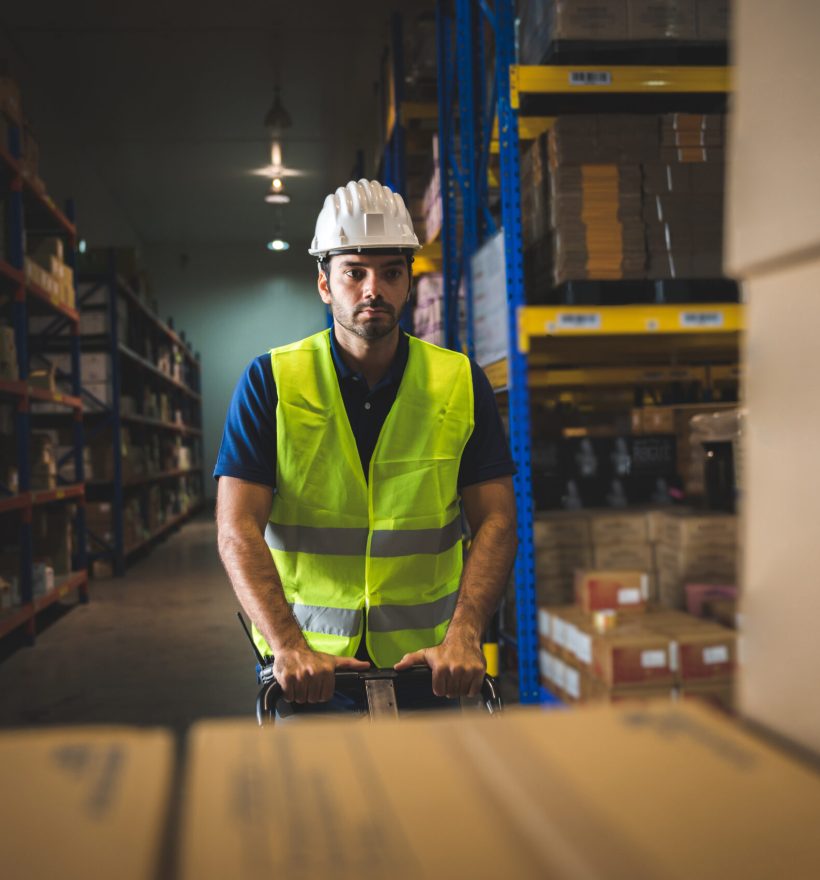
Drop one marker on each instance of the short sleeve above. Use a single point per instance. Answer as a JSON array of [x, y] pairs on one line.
[[487, 453], [248, 448]]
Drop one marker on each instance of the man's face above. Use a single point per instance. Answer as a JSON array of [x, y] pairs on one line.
[[366, 293]]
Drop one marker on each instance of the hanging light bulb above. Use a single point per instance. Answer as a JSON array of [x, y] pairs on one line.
[[277, 195], [278, 244]]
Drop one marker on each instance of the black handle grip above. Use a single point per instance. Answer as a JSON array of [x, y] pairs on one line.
[[349, 682]]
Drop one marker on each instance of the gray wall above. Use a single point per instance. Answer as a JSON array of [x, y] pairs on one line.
[[234, 302]]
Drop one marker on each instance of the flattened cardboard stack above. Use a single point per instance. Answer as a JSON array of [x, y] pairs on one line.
[[535, 220], [683, 198], [595, 195]]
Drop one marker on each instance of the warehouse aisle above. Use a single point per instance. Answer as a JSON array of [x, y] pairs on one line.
[[160, 646]]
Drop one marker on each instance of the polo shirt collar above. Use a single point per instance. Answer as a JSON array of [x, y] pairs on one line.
[[392, 376]]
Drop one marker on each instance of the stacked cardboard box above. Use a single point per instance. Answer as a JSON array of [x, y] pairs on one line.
[[543, 21], [8, 450], [53, 537], [694, 547], [595, 195], [562, 545], [661, 20], [683, 198], [428, 316], [641, 655], [43, 461], [610, 21], [8, 355], [622, 542], [535, 220]]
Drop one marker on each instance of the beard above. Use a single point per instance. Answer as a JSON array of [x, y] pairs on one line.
[[375, 328]]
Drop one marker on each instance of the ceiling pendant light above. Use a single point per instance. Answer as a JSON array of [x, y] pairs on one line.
[[277, 195], [277, 118]]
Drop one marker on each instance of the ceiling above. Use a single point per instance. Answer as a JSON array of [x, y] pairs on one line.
[[166, 102]]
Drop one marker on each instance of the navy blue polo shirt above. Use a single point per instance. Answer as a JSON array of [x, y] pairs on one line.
[[248, 449]]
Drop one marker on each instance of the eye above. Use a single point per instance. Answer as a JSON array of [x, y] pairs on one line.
[[394, 274], [355, 274]]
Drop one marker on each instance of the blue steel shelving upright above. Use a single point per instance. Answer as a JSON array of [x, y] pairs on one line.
[[463, 77]]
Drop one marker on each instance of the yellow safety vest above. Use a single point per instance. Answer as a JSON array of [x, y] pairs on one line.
[[386, 549]]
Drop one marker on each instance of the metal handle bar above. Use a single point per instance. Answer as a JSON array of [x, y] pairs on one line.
[[350, 683]]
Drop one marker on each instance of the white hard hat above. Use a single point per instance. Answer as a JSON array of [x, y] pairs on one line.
[[363, 215]]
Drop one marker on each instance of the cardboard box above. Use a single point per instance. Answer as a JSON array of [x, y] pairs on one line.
[[561, 528], [700, 650], [661, 19], [713, 19], [629, 557], [103, 793], [589, 20], [698, 595], [562, 797], [618, 528], [688, 529], [781, 601], [773, 170], [631, 655], [624, 591]]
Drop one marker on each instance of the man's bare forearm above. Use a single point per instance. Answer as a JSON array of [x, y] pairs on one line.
[[485, 575], [256, 582]]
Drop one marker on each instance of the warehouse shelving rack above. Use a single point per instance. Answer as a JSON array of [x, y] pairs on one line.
[[403, 140], [112, 287], [31, 212], [556, 347]]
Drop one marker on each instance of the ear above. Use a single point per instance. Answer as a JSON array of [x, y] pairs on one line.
[[324, 288]]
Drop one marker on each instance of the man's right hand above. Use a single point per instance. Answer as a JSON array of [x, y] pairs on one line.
[[308, 676]]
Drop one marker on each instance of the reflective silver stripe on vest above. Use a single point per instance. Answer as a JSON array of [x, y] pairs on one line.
[[328, 621], [316, 539], [386, 543], [389, 618], [415, 542]]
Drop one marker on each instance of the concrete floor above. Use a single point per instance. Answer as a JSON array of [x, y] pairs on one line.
[[160, 646]]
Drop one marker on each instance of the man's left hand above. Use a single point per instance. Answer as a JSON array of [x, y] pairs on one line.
[[458, 667]]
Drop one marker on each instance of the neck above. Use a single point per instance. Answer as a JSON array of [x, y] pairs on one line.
[[370, 357]]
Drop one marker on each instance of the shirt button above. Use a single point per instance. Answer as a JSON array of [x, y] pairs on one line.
[[367, 405]]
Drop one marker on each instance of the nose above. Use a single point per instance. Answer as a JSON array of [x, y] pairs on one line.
[[370, 286]]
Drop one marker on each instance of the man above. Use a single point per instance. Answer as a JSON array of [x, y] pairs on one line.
[[343, 461]]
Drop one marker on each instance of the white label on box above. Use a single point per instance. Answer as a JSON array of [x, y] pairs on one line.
[[716, 654], [572, 682], [577, 321], [560, 673], [701, 319], [653, 659], [490, 306], [629, 596], [590, 78], [673, 656], [583, 647], [544, 621], [559, 632], [545, 665]]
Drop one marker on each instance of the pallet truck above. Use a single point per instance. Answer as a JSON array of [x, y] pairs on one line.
[[379, 687]]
